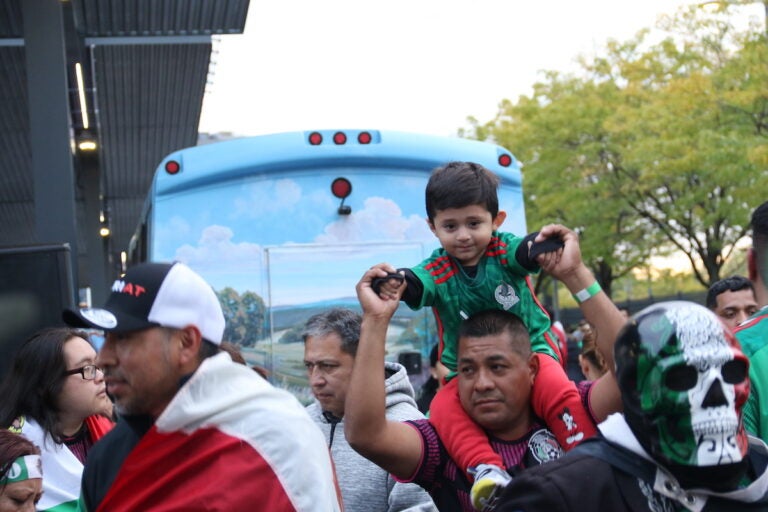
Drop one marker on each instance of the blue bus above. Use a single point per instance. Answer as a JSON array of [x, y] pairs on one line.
[[284, 225]]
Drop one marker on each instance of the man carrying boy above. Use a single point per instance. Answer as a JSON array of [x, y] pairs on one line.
[[479, 268], [496, 374]]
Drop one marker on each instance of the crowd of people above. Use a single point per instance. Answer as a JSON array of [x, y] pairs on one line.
[[665, 413]]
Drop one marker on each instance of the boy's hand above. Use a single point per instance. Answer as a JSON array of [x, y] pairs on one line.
[[388, 285], [536, 248], [566, 263], [382, 304]]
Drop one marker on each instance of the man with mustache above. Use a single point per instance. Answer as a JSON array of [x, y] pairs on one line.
[[496, 370], [197, 431]]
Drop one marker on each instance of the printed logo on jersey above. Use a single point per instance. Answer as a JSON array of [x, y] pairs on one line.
[[544, 447], [506, 296]]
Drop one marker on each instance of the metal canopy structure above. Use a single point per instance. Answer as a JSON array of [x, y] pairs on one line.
[[140, 69]]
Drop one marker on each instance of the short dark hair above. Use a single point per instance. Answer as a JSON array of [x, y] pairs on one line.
[[36, 378], [342, 321], [759, 224], [497, 321], [460, 184], [13, 446], [728, 284]]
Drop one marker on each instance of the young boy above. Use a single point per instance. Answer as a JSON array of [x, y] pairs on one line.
[[479, 268]]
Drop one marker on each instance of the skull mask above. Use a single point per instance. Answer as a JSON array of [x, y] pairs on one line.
[[683, 384]]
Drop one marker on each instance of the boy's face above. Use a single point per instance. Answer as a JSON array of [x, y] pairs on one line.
[[465, 232]]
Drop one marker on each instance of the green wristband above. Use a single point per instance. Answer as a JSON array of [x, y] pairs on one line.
[[587, 293]]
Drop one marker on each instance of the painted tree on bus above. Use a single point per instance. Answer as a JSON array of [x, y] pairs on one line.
[[245, 316], [655, 147]]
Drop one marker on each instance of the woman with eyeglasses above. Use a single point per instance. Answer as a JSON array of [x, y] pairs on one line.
[[55, 396]]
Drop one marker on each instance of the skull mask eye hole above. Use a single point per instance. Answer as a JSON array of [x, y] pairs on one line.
[[735, 371], [681, 377]]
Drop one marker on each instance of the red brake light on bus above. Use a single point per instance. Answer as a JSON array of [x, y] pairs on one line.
[[339, 138], [315, 138], [172, 167], [505, 160], [364, 138], [341, 187]]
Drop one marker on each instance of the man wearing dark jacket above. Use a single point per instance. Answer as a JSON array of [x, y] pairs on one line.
[[680, 443]]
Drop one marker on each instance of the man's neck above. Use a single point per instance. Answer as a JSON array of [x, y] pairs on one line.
[[513, 432], [761, 293]]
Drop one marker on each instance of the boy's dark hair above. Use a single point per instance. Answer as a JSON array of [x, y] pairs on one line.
[[732, 284], [460, 184], [344, 322], [759, 225], [497, 321]]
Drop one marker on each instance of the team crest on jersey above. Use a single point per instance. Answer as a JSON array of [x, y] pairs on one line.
[[544, 447], [506, 296]]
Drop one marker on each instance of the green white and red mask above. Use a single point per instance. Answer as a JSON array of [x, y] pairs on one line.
[[683, 383]]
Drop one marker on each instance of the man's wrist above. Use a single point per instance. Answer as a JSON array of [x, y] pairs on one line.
[[587, 293], [579, 279]]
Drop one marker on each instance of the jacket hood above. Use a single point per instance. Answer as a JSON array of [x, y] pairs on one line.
[[397, 385]]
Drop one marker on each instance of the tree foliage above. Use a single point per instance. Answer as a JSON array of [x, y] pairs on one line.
[[652, 148]]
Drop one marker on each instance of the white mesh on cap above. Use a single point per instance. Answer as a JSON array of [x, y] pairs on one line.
[[184, 298]]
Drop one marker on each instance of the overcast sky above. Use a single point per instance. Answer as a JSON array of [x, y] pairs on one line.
[[412, 65]]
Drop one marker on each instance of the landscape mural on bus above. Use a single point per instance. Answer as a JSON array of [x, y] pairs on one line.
[[276, 249]]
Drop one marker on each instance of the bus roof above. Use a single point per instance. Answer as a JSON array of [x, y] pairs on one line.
[[284, 152]]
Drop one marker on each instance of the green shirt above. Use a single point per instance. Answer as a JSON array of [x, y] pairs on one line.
[[753, 337], [500, 283]]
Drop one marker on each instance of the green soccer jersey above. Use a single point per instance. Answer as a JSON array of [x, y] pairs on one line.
[[753, 337], [500, 282]]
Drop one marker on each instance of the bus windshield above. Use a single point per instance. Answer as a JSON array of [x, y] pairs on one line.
[[283, 226]]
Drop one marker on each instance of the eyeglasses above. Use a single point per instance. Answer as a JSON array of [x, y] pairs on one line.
[[88, 372]]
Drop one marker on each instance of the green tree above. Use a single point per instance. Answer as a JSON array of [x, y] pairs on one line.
[[652, 147], [688, 136], [560, 136]]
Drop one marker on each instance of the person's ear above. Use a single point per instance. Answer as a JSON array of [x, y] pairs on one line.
[[190, 340], [584, 365], [431, 226], [499, 219], [533, 366], [752, 264]]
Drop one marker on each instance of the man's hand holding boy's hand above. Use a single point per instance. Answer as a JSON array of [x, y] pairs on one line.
[[382, 302], [564, 264]]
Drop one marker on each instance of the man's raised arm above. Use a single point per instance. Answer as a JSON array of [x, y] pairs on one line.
[[606, 320], [394, 446]]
